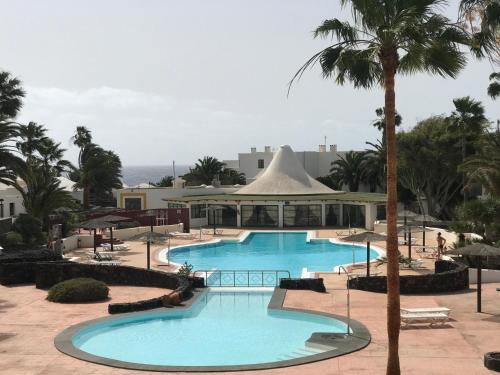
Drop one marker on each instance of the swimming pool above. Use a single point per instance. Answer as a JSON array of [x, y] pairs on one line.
[[219, 329], [271, 251]]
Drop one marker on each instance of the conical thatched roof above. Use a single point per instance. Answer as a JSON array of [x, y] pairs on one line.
[[285, 176]]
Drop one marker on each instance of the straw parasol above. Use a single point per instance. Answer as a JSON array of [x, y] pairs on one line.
[[95, 224], [424, 219], [408, 229], [150, 237], [112, 219], [478, 250], [366, 237]]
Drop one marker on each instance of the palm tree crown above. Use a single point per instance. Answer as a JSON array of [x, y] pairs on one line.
[[348, 170], [11, 94]]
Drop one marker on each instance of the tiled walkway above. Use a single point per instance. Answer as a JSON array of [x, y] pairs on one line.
[[28, 325]]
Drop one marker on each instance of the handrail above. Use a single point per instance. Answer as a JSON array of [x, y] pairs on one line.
[[245, 282], [348, 299]]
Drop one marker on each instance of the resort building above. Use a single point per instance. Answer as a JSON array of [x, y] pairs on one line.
[[315, 163], [284, 195]]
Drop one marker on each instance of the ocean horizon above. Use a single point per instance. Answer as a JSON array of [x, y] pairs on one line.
[[136, 174]]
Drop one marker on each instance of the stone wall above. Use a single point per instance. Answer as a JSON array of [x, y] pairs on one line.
[[303, 284], [448, 277]]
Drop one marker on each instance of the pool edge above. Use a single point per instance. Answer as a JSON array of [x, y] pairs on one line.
[[359, 339]]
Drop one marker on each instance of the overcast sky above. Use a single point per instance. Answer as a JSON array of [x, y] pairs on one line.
[[159, 80]]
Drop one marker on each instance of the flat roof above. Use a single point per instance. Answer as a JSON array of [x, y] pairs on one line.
[[345, 196]]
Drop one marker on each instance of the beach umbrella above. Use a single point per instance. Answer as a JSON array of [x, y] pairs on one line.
[[94, 224], [478, 250], [406, 214], [150, 237], [112, 219], [366, 237], [424, 219], [408, 229]]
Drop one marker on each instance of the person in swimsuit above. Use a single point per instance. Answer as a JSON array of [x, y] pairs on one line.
[[441, 241]]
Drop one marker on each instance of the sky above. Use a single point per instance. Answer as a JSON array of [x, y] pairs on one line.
[[163, 80]]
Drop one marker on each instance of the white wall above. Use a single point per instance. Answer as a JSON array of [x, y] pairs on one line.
[[487, 276], [86, 240]]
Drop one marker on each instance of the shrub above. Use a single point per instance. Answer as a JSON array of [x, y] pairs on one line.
[[78, 290], [30, 228], [185, 270], [11, 239]]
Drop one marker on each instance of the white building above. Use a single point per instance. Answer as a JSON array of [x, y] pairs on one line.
[[11, 201], [316, 163]]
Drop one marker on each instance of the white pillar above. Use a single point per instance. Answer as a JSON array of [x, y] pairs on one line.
[[370, 215], [323, 215], [238, 215], [341, 215]]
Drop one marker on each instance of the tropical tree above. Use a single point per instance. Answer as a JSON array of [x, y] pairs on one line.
[[232, 177], [374, 165], [494, 86], [379, 122], [81, 139], [205, 171], [52, 157], [11, 95], [9, 161], [31, 138], [469, 120], [386, 38], [484, 165], [165, 181], [348, 170]]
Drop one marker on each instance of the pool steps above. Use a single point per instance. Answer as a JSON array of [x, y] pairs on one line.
[[300, 353]]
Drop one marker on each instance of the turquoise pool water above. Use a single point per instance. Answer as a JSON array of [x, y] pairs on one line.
[[271, 251], [221, 328]]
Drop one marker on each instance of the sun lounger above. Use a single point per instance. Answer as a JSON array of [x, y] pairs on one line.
[[187, 236], [430, 318], [422, 310], [219, 231], [206, 231], [106, 262], [100, 256], [414, 264]]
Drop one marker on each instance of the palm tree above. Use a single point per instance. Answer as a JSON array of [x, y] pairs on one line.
[[82, 138], [165, 181], [9, 161], [52, 157], [484, 166], [374, 165], [390, 37], [379, 123], [11, 94], [348, 170], [467, 118], [32, 136], [494, 86], [204, 171]]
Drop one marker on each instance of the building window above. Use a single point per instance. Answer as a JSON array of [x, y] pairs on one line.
[[198, 211], [354, 216], [225, 215], [12, 209], [133, 203], [259, 216], [260, 163], [302, 215], [332, 214], [381, 212], [175, 205]]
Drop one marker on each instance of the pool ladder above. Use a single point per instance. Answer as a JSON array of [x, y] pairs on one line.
[[348, 300]]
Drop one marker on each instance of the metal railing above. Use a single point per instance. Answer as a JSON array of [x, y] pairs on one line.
[[348, 300], [242, 278]]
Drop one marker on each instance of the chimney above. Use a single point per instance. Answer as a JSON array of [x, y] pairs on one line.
[[322, 148], [253, 150], [333, 148], [267, 148]]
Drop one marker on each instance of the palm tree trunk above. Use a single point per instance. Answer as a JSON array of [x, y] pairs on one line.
[[393, 305], [86, 195]]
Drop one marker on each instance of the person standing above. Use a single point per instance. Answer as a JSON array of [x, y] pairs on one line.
[[441, 241]]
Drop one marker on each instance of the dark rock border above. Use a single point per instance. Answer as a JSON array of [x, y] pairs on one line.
[[492, 361], [359, 339], [447, 277], [315, 285]]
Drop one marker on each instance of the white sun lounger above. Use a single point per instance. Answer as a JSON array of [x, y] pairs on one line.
[[187, 236], [430, 318], [423, 310]]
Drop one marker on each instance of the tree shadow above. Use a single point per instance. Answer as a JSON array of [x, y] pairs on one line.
[[5, 305]]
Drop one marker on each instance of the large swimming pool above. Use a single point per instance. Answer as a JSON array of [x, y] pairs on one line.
[[219, 329], [271, 251]]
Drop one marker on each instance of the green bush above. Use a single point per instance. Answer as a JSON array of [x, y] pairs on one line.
[[185, 270], [30, 228], [11, 239], [78, 290]]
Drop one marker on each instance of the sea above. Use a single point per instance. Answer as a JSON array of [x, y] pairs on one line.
[[136, 174]]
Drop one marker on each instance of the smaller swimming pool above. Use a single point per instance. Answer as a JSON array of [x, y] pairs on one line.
[[221, 330]]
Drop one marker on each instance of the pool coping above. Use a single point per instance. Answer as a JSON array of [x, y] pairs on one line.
[[359, 339], [162, 255]]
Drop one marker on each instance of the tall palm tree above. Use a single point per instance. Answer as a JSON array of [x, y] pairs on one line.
[[468, 119], [11, 94], [348, 170], [494, 86], [374, 165], [82, 138], [379, 123], [52, 157], [9, 161], [32, 136], [386, 38], [204, 171]]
